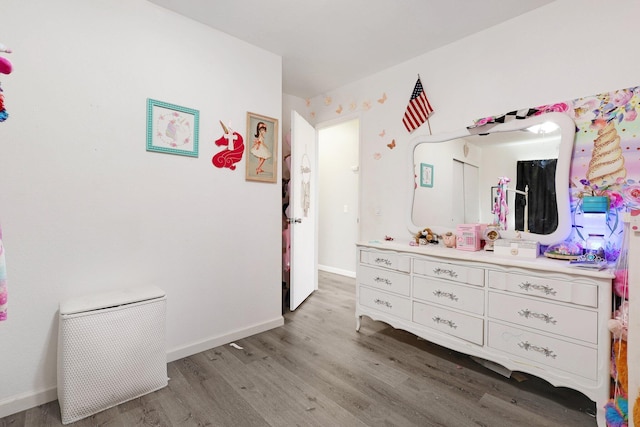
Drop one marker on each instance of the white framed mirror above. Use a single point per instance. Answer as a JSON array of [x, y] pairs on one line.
[[452, 176]]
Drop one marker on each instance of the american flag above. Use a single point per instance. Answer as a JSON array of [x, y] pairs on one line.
[[418, 110]]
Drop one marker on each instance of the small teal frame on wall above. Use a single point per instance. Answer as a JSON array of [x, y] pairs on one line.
[[172, 129], [426, 175]]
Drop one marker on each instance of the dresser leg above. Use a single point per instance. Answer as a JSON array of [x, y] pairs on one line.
[[358, 319]]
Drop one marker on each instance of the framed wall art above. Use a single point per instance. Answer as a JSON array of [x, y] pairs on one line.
[[262, 148], [426, 175], [172, 129]]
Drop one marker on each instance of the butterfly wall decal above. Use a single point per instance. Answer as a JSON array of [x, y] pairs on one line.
[[383, 133], [392, 144], [383, 99], [339, 109]]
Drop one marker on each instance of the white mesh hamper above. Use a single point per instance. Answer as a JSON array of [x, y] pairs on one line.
[[111, 349]]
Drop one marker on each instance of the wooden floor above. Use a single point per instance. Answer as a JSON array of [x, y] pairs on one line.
[[316, 370]]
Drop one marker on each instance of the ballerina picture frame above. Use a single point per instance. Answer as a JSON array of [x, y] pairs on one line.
[[261, 158]]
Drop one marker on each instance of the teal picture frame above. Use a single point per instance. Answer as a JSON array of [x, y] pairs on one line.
[[172, 129], [426, 175]]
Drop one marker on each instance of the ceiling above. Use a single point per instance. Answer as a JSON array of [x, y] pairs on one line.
[[326, 44]]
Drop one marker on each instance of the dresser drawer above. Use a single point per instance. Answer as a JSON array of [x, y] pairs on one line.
[[570, 322], [450, 322], [385, 302], [546, 351], [555, 289], [454, 272], [390, 260], [441, 292], [391, 281]]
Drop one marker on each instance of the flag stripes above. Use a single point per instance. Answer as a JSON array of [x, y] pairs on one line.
[[418, 110]]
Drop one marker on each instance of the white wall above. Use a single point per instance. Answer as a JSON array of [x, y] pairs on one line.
[[338, 197], [84, 208], [548, 55]]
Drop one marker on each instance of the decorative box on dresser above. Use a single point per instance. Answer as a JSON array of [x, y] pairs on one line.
[[538, 316]]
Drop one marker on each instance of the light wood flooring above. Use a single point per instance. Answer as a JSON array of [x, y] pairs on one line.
[[316, 370]]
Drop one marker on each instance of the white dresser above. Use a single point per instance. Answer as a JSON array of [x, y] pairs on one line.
[[538, 316]]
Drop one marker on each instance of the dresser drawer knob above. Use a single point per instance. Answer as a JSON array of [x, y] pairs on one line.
[[525, 345], [527, 286], [444, 272], [442, 321], [382, 261], [441, 294], [383, 302], [382, 280], [526, 313]]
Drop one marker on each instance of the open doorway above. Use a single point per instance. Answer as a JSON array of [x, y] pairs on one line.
[[338, 196], [335, 169]]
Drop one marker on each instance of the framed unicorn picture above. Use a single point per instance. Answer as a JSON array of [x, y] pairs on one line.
[[426, 175], [262, 148], [172, 129]]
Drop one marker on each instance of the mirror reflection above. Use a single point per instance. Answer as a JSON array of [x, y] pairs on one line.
[[460, 178]]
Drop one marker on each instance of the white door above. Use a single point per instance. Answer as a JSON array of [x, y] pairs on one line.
[[302, 210], [471, 178], [466, 200]]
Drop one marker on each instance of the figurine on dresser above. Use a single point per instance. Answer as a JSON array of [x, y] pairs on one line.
[[449, 239], [425, 236]]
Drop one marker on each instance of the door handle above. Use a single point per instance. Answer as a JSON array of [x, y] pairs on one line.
[[294, 220]]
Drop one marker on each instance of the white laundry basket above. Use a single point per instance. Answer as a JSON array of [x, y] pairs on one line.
[[111, 349]]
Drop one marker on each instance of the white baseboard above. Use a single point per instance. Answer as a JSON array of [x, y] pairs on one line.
[[26, 401], [339, 271], [181, 352], [22, 402]]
